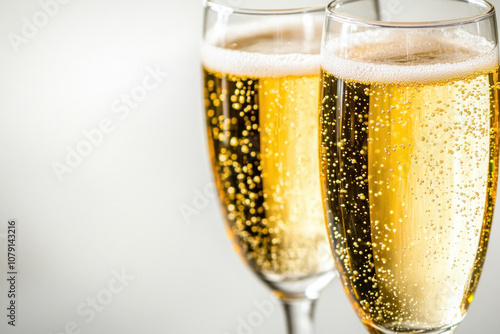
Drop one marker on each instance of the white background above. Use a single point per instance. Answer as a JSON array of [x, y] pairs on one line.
[[119, 208]]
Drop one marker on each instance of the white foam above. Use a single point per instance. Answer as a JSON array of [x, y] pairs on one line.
[[253, 64], [466, 55], [261, 60]]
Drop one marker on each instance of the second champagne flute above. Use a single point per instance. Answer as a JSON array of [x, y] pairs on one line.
[[410, 133]]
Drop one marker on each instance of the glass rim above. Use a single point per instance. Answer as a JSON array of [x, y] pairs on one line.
[[488, 13], [247, 11]]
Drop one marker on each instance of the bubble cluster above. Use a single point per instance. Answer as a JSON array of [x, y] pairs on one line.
[[267, 171]]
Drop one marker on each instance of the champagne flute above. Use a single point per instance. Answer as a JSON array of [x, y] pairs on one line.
[[261, 87], [409, 157]]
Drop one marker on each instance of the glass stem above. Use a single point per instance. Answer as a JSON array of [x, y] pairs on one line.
[[299, 315], [377, 9]]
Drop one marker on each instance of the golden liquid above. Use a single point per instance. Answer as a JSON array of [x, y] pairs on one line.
[[409, 173], [263, 142]]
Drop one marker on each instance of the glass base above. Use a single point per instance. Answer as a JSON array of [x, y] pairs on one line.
[[445, 330]]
